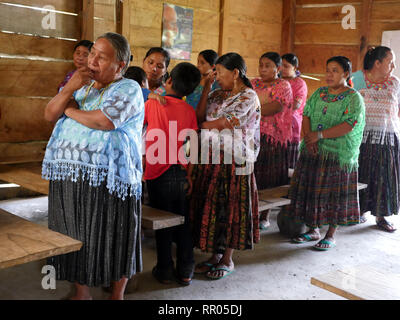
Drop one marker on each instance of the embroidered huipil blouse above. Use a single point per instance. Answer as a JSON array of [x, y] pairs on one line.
[[382, 103], [76, 151], [244, 106], [299, 90], [327, 110], [278, 126]]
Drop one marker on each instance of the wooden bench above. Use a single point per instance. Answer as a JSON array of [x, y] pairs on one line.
[[273, 198], [29, 176], [360, 283], [277, 197], [22, 241]]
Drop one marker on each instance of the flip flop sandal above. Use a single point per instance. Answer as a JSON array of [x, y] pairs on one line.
[[306, 238], [203, 264], [264, 225], [386, 226], [228, 272], [330, 244]]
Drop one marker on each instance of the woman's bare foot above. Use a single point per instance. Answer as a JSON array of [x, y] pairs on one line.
[[81, 293], [311, 235], [205, 266]]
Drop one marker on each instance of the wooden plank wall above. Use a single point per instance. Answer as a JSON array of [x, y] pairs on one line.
[[319, 34], [251, 28], [32, 64], [104, 17]]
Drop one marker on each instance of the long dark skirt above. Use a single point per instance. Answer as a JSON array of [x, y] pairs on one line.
[[293, 153], [272, 165], [223, 208], [380, 169], [108, 226], [322, 193]]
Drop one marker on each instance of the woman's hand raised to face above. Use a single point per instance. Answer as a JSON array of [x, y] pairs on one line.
[[81, 77], [209, 80]]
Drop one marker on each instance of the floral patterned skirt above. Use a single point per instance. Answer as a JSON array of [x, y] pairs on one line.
[[322, 193], [223, 208]]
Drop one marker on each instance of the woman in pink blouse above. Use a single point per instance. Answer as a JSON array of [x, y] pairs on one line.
[[275, 94], [289, 72]]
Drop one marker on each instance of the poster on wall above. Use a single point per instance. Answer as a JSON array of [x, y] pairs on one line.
[[177, 31]]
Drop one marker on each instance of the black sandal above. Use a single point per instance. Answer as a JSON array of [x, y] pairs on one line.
[[163, 276], [385, 226], [185, 272]]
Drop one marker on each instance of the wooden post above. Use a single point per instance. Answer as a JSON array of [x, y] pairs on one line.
[[123, 17], [288, 26], [87, 31], [124, 25], [223, 27], [364, 31]]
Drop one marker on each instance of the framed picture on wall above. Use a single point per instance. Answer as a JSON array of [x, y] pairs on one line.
[[177, 31]]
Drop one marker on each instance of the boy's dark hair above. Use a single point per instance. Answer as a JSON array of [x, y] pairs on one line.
[[185, 78], [373, 54], [210, 56], [137, 74], [292, 59], [344, 62], [84, 43], [274, 57]]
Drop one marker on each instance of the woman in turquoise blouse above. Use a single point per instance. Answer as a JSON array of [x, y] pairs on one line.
[[205, 63], [93, 162]]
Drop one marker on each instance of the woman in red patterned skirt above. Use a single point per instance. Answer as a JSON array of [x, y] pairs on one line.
[[224, 202]]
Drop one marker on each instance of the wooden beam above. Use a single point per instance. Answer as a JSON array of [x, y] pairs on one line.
[[87, 31], [123, 15], [224, 27], [288, 26], [365, 28], [119, 12]]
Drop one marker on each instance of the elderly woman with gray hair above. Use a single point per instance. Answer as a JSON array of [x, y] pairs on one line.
[[93, 162]]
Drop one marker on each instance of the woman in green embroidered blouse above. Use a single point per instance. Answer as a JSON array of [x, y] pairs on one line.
[[323, 189]]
